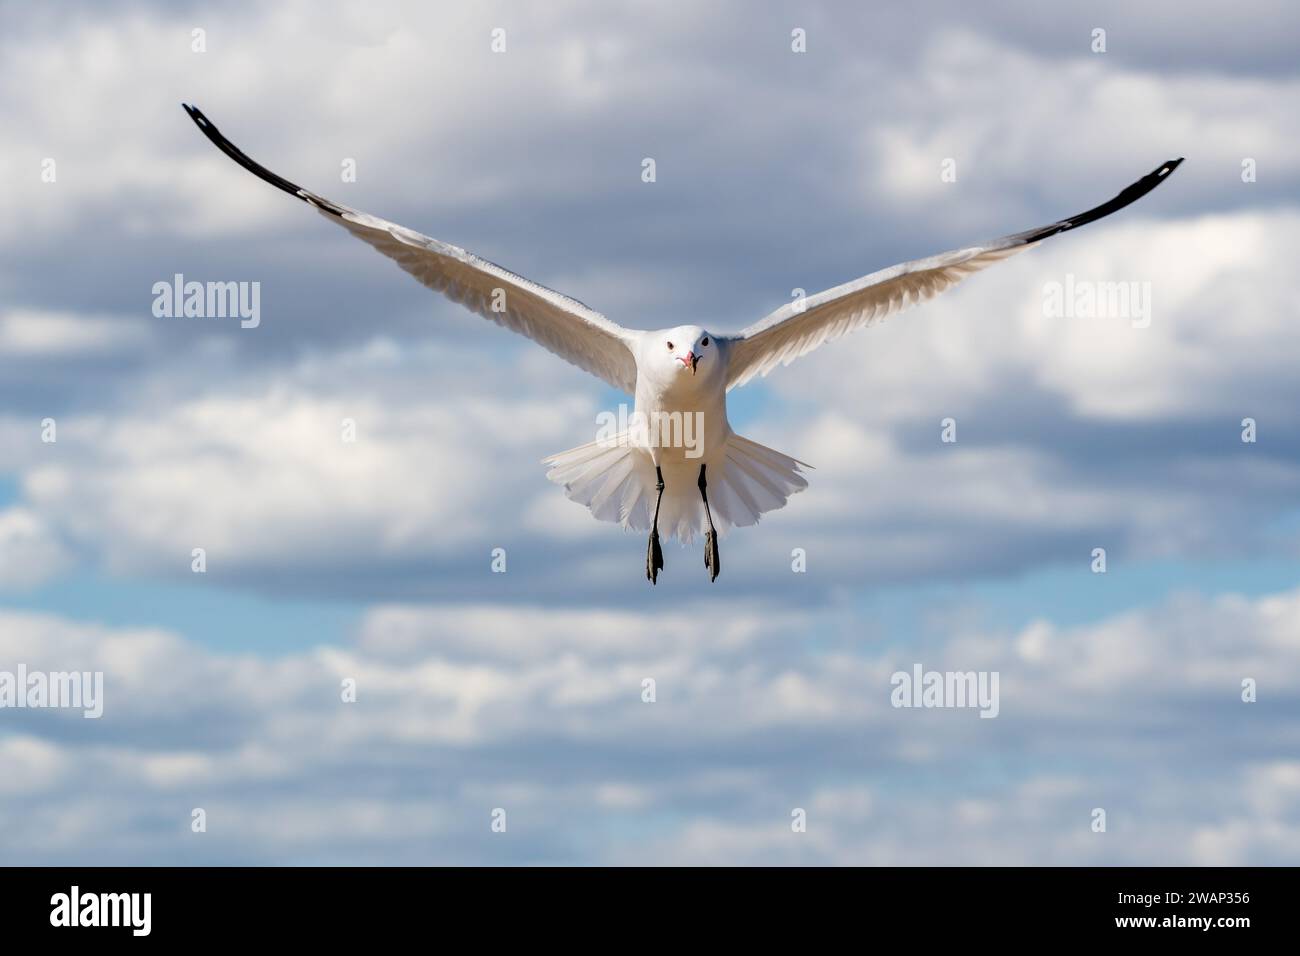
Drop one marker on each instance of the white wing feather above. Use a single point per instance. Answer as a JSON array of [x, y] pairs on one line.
[[562, 325], [797, 328]]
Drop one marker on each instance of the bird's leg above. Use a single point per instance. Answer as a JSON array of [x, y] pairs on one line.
[[711, 560], [654, 557]]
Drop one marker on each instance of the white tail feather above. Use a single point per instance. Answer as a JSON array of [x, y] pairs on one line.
[[616, 481]]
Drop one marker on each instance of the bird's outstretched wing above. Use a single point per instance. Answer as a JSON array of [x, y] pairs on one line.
[[798, 328], [563, 325]]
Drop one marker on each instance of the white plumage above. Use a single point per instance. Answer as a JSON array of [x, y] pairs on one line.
[[684, 371]]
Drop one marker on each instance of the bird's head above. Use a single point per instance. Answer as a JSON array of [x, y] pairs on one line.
[[687, 351]]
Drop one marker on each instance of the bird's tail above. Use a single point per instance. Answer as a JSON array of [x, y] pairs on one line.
[[610, 476], [752, 480], [616, 481]]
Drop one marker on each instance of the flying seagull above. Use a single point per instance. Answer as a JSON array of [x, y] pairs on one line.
[[641, 477]]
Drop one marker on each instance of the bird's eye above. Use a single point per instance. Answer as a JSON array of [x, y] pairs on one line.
[[704, 341], [670, 346]]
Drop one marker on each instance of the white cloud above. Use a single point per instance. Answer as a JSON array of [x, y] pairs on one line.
[[28, 334], [345, 61], [31, 551], [1215, 300], [749, 723], [1067, 121], [31, 765], [266, 478]]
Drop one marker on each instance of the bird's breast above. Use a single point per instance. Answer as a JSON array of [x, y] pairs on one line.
[[689, 425]]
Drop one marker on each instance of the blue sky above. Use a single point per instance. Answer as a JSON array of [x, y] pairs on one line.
[[776, 170]]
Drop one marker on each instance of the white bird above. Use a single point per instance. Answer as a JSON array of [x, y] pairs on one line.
[[683, 482]]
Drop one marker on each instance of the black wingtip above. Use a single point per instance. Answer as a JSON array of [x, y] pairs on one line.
[[1126, 197], [257, 169]]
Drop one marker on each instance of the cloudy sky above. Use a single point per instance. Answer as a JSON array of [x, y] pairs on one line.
[[371, 561]]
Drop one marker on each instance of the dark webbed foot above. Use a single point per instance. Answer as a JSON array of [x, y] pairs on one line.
[[654, 556], [654, 559], [711, 560]]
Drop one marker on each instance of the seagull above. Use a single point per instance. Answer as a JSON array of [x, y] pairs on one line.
[[639, 477]]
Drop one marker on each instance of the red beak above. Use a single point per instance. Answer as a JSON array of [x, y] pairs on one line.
[[690, 360]]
